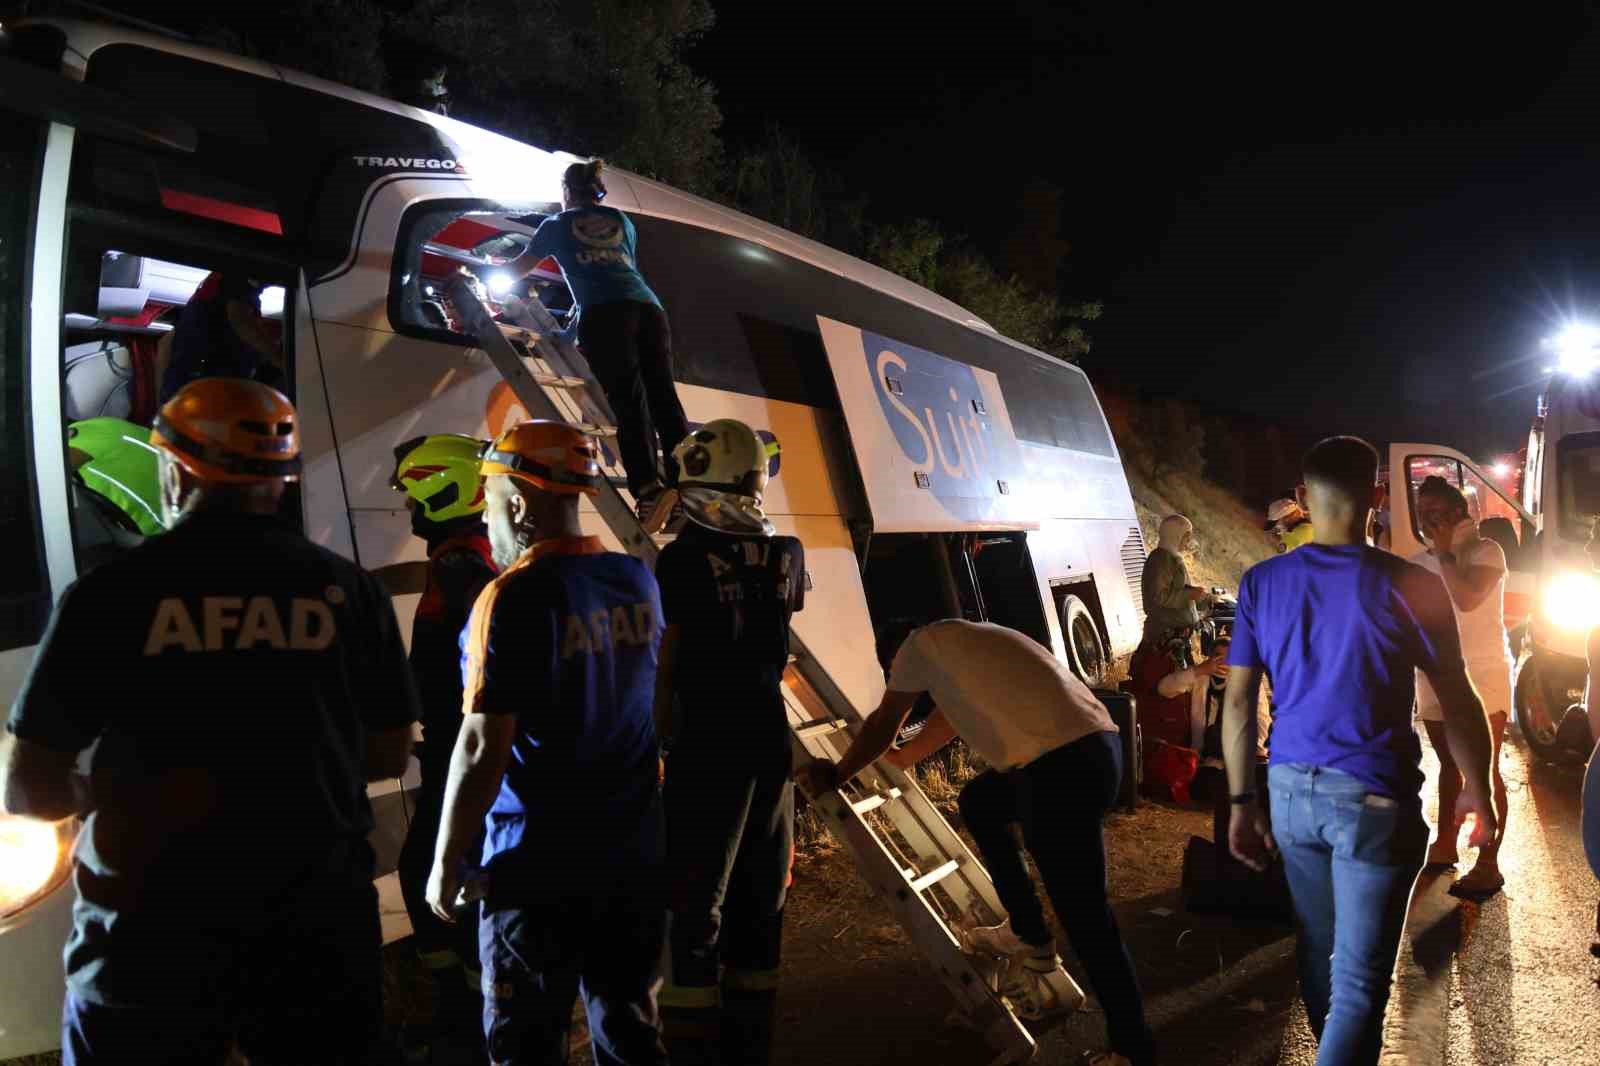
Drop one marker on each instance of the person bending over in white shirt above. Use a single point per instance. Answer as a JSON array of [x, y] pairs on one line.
[[1474, 573], [1056, 764]]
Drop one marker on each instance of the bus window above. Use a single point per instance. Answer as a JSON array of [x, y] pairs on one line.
[[24, 588], [442, 238]]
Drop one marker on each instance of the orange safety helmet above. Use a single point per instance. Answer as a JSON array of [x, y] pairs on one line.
[[554, 456], [230, 429]]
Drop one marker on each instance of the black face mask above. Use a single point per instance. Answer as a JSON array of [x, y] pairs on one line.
[[436, 532]]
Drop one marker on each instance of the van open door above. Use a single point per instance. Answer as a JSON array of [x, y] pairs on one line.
[[1488, 501]]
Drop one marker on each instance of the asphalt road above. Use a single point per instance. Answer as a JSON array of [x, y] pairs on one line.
[[1523, 987], [1509, 982]]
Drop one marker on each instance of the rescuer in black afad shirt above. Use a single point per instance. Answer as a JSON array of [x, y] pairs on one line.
[[728, 589], [244, 685]]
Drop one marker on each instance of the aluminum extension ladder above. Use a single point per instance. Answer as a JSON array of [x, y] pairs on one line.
[[901, 844]]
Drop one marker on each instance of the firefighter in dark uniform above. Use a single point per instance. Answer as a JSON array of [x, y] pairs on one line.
[[224, 877], [557, 765], [444, 492], [729, 588]]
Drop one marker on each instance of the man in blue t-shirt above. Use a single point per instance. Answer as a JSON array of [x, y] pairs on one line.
[[1339, 627], [557, 760]]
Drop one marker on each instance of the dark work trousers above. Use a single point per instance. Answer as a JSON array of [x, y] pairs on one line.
[[540, 956], [730, 832], [628, 344], [439, 944], [295, 981], [1060, 800]]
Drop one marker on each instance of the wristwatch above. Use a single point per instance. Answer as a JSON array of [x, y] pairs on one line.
[[1242, 798]]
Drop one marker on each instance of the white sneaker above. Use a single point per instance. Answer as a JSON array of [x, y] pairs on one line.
[[997, 940], [1025, 984]]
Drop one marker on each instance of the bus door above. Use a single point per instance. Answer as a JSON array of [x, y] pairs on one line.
[[41, 116], [1498, 516]]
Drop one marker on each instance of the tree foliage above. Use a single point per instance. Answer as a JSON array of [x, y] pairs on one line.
[[611, 78]]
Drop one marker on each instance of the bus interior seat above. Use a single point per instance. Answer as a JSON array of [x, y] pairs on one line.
[[99, 380]]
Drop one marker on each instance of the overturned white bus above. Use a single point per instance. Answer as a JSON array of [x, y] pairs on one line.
[[932, 467]]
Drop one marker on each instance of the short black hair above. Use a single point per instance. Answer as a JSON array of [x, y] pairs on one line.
[[1347, 464], [1439, 488]]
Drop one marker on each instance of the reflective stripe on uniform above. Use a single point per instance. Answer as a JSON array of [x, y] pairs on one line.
[[750, 980], [688, 997]]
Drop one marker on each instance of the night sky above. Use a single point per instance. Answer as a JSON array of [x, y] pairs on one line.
[[1349, 219]]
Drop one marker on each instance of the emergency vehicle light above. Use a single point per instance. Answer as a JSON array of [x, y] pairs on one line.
[[1572, 601], [1575, 347]]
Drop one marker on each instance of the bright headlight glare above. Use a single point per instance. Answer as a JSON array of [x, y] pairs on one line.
[[499, 283], [1572, 600], [34, 859]]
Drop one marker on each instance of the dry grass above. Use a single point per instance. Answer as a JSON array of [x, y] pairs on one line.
[[1230, 534]]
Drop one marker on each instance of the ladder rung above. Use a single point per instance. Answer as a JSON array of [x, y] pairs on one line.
[[938, 873], [874, 801], [818, 726], [556, 381], [517, 334]]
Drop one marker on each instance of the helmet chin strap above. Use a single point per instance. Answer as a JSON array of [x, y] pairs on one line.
[[726, 512]]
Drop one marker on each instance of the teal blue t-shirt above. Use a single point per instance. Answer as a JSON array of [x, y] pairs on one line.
[[595, 247]]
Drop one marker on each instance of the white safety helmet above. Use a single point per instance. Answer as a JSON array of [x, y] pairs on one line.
[[722, 475]]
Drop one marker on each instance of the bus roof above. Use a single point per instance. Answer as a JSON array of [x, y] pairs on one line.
[[84, 38]]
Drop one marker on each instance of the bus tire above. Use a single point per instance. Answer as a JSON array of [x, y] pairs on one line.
[[1086, 651]]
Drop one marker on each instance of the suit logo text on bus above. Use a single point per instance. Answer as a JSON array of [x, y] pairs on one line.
[[938, 413]]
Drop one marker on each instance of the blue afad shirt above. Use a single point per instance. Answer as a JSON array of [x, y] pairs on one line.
[[1340, 630], [595, 247], [566, 639]]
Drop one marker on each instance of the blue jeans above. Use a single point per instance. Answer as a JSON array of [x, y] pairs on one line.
[[1352, 858]]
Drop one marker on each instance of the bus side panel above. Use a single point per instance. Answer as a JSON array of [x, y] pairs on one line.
[[1068, 551], [322, 498]]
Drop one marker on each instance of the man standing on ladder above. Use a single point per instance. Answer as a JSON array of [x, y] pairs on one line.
[[559, 751], [623, 331], [729, 588], [444, 493]]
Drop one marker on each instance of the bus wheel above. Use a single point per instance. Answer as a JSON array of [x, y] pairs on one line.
[[1538, 726], [1086, 652]]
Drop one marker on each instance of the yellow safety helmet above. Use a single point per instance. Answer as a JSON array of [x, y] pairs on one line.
[[440, 472]]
